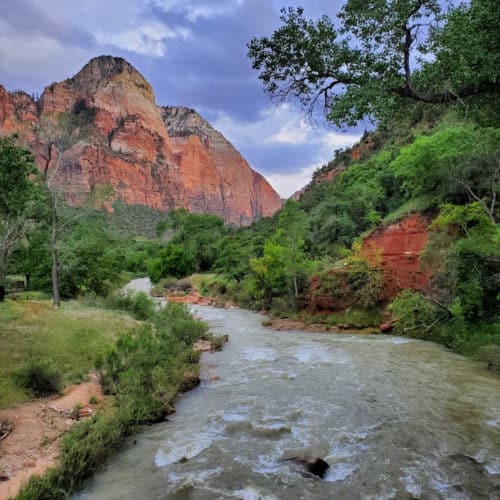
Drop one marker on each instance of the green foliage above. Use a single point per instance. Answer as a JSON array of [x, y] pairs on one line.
[[419, 317], [413, 312], [134, 220], [461, 221], [86, 263], [172, 260], [353, 202], [216, 285], [464, 251], [93, 255], [283, 270], [39, 377], [355, 284], [17, 191], [139, 304], [192, 248], [374, 63], [238, 246], [452, 164], [146, 364], [466, 48]]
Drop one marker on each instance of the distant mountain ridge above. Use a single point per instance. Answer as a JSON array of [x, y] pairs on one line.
[[102, 127]]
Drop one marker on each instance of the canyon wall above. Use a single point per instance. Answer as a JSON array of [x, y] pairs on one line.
[[102, 127]]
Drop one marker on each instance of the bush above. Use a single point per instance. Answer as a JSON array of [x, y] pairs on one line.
[[463, 251], [281, 307], [41, 378], [172, 260], [356, 284], [413, 313], [138, 304]]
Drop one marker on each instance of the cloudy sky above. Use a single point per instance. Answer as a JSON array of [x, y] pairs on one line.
[[193, 52]]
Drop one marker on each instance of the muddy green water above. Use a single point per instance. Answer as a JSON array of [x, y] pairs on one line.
[[395, 418]]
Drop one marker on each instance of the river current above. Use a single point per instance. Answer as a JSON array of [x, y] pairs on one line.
[[394, 418]]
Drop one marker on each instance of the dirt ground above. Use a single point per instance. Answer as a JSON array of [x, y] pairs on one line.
[[36, 427]]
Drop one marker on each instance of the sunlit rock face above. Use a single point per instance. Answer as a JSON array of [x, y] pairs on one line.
[[109, 131], [395, 250]]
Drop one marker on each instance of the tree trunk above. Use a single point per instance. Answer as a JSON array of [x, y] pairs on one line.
[[3, 272], [296, 287], [56, 299]]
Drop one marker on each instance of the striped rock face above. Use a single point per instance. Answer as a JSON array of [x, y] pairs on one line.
[[107, 130]]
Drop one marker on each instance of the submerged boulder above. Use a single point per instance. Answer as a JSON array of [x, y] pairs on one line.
[[313, 465]]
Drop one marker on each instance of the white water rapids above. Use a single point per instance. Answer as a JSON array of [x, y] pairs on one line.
[[394, 417]]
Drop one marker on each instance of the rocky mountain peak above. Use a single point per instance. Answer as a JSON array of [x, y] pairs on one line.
[[162, 157], [105, 68]]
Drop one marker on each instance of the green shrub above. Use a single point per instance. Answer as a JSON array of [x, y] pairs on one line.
[[464, 252], [40, 377], [137, 303], [172, 260], [413, 313], [282, 307], [356, 284]]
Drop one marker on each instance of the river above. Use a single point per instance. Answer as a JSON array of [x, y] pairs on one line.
[[394, 417]]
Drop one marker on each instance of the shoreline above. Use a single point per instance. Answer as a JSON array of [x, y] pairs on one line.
[[45, 417], [37, 427], [288, 325], [275, 324], [43, 434]]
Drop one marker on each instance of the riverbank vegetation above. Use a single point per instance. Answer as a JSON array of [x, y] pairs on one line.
[[44, 349], [142, 365]]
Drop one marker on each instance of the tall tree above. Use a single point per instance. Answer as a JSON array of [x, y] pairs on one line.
[[383, 51], [60, 134], [18, 193], [293, 227]]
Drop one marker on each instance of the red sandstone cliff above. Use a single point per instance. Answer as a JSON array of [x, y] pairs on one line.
[[395, 250], [190, 133], [107, 130]]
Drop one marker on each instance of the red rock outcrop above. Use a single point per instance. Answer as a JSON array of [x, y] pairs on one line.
[[194, 139], [108, 131], [396, 249]]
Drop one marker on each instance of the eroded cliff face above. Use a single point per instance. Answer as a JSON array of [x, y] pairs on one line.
[[192, 136], [103, 128], [397, 249]]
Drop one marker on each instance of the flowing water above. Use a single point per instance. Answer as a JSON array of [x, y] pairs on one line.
[[394, 417]]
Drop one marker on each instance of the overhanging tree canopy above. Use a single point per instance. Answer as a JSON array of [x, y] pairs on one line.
[[383, 51]]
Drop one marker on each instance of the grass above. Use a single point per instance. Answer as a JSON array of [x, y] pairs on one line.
[[420, 204], [144, 370], [68, 339]]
